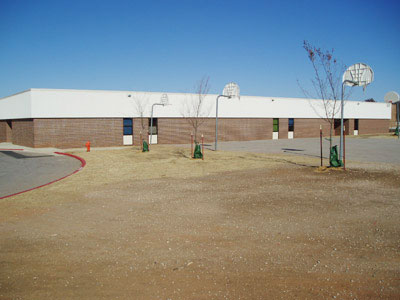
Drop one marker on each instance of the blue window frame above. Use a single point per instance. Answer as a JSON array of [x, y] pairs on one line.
[[291, 125], [128, 127]]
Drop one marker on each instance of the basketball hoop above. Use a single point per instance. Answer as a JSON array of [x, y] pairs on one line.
[[231, 90], [164, 99], [391, 97], [358, 74]]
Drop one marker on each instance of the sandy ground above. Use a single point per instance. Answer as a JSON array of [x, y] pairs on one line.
[[160, 225]]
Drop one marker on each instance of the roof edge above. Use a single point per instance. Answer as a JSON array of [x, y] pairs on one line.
[[28, 90]]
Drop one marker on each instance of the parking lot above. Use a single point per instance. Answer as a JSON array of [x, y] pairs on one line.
[[384, 149]]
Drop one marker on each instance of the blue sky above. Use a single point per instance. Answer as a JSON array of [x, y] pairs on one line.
[[169, 45]]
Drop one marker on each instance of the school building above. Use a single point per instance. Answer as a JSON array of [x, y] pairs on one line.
[[70, 118]]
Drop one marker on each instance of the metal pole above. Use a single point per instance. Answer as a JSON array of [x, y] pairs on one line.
[[191, 144], [151, 120], [398, 111], [216, 120], [216, 123], [341, 117], [320, 140], [341, 124], [202, 146], [151, 123], [344, 148]]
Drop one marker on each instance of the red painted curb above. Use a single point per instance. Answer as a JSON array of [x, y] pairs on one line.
[[83, 163]]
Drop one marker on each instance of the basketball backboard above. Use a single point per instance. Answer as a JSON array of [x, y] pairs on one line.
[[392, 97], [358, 74], [231, 90]]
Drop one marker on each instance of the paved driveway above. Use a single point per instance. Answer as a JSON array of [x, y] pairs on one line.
[[22, 170], [384, 150]]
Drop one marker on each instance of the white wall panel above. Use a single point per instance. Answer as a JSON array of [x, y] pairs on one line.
[[48, 103], [17, 106]]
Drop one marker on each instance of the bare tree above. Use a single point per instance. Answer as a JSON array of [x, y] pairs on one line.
[[195, 110], [140, 103], [327, 83]]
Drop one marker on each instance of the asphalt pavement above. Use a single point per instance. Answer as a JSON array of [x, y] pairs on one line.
[[23, 170], [381, 150]]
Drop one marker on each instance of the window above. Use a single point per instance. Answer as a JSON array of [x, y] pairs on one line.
[[291, 125], [276, 125], [355, 124], [128, 127], [155, 126]]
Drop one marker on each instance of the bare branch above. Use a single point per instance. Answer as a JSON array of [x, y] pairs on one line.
[[141, 102], [327, 82], [195, 110]]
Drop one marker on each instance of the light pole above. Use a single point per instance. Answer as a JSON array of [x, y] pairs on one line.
[[164, 101], [231, 90]]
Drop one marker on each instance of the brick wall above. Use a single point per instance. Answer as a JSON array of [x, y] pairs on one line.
[[304, 128], [177, 130], [137, 128], [393, 120], [351, 127], [3, 135], [5, 131], [283, 128], [23, 132], [67, 133], [373, 126]]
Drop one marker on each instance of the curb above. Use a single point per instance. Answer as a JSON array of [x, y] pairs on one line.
[[83, 164]]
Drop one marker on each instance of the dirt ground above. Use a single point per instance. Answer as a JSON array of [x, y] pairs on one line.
[[160, 225]]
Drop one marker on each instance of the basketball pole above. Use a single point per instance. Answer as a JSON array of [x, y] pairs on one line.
[[341, 123], [230, 90], [344, 148], [398, 112], [151, 120], [341, 117], [216, 120]]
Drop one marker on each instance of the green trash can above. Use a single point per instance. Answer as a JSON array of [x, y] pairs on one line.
[[197, 152], [145, 147], [334, 158]]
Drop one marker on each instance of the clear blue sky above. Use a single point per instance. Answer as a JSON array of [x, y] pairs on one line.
[[169, 45]]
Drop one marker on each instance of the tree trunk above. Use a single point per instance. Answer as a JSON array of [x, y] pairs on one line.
[[195, 135]]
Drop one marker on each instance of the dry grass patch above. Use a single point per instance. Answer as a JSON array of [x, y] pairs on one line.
[[161, 225], [110, 167]]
